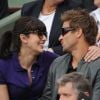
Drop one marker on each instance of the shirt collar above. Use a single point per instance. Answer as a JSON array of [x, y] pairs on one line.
[[18, 66]]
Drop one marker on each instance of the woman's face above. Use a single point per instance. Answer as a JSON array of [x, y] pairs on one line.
[[34, 42], [97, 3]]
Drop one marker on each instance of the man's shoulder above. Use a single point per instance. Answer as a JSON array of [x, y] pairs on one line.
[[95, 65], [62, 58]]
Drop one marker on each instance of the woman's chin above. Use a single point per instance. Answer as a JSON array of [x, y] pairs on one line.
[[41, 50]]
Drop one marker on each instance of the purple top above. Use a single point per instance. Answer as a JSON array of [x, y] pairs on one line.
[[16, 78]]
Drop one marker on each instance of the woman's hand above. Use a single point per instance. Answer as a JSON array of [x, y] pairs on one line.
[[92, 54]]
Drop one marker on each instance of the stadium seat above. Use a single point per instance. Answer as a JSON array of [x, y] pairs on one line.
[[7, 23]]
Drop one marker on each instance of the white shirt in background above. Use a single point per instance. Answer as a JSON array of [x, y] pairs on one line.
[[47, 20], [96, 15]]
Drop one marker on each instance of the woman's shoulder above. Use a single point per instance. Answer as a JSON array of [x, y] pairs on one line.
[[49, 54], [47, 57], [5, 62]]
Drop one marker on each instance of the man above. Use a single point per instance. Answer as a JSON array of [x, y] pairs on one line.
[[74, 86], [79, 31]]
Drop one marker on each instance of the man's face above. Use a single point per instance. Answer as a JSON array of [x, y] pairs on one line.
[[68, 92], [69, 39]]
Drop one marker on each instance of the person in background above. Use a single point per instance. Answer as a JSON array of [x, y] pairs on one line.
[[3, 8], [94, 51], [74, 86], [79, 32], [96, 15], [49, 12], [24, 64], [87, 4]]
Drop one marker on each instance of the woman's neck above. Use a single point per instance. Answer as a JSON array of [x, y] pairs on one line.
[[27, 59]]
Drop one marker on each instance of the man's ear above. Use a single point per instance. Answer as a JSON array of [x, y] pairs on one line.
[[23, 38], [86, 93], [79, 32], [84, 96]]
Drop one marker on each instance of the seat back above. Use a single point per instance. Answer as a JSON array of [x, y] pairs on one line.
[[8, 22]]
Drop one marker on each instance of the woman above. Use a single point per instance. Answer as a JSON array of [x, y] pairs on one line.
[[23, 63], [49, 12]]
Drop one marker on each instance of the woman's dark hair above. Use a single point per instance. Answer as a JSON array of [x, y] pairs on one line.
[[10, 40]]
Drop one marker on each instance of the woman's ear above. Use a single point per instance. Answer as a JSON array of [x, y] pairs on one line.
[[23, 38]]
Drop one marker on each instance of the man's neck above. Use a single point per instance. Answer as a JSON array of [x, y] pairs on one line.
[[79, 53]]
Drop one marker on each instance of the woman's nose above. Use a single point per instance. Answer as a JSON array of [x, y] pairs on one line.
[[44, 38]]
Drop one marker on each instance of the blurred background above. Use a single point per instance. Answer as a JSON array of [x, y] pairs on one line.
[[15, 5]]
